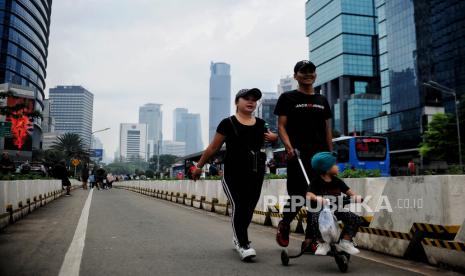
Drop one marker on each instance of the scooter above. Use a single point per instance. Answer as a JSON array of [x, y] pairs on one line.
[[342, 258]]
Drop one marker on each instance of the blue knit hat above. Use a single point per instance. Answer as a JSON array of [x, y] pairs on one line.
[[323, 161]]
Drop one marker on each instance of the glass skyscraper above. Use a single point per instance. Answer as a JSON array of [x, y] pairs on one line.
[[72, 109], [342, 37], [151, 115], [418, 41], [220, 95], [25, 29], [187, 129]]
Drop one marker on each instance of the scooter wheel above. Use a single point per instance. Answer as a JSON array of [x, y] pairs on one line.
[[284, 258], [342, 262]]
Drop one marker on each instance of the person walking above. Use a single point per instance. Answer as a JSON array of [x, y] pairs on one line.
[[411, 167], [304, 124], [100, 176], [84, 176], [7, 166], [61, 172], [244, 164]]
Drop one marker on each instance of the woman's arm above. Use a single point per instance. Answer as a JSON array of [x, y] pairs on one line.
[[214, 146], [271, 137]]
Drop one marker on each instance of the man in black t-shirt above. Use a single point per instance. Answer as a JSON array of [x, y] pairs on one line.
[[304, 124]]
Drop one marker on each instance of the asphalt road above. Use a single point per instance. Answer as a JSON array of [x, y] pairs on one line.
[[131, 234]]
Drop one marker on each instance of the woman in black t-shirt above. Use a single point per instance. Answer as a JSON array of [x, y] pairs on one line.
[[244, 165]]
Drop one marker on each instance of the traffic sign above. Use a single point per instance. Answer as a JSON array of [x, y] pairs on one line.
[[96, 153], [75, 162]]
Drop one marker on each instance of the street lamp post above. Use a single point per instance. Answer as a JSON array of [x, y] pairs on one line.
[[446, 90], [91, 140]]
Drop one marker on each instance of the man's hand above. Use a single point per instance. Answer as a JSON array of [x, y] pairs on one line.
[[290, 152]]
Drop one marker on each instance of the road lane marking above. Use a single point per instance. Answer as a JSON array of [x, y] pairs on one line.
[[72, 262]]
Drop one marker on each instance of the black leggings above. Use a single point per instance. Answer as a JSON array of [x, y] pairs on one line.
[[243, 190]]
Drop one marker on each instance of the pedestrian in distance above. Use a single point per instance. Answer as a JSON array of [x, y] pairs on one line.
[[244, 164], [304, 124], [411, 168], [7, 166], [61, 172], [84, 176]]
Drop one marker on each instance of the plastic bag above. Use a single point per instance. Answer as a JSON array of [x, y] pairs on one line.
[[328, 226]]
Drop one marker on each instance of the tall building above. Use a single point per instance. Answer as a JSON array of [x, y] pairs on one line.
[[419, 41], [174, 148], [342, 39], [49, 139], [25, 29], [133, 142], [151, 115], [48, 122], [179, 129], [188, 130], [72, 108], [287, 84], [265, 109], [220, 95]]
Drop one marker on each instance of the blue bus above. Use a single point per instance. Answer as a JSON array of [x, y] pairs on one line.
[[363, 152]]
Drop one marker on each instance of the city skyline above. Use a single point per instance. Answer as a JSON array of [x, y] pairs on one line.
[[169, 66]]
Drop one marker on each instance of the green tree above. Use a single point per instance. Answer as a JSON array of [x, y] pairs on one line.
[[72, 147], [440, 139], [166, 160], [120, 168], [149, 173]]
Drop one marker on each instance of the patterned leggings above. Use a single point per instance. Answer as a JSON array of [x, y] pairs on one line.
[[351, 223]]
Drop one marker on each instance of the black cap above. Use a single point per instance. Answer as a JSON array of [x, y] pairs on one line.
[[246, 92], [304, 64]]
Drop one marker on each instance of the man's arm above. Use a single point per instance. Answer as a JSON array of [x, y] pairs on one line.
[[282, 122], [329, 135]]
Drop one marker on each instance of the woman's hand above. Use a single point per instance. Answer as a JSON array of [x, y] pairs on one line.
[[196, 173], [271, 137]]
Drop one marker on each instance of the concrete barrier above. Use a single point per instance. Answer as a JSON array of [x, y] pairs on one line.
[[20, 197], [419, 217]]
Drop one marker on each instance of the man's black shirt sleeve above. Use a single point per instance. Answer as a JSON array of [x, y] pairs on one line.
[[282, 106]]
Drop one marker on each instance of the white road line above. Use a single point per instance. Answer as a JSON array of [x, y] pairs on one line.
[[72, 261]]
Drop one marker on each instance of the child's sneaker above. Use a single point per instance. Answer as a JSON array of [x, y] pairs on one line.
[[282, 236], [246, 253], [347, 246], [322, 248]]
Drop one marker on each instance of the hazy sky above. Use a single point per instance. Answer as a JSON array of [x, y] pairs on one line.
[[128, 53]]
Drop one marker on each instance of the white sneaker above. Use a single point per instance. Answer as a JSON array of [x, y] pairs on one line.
[[322, 248], [347, 246], [246, 253], [235, 243]]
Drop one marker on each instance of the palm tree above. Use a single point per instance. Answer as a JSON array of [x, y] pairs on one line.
[[71, 145]]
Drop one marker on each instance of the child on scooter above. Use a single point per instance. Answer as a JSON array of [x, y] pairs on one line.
[[328, 184]]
